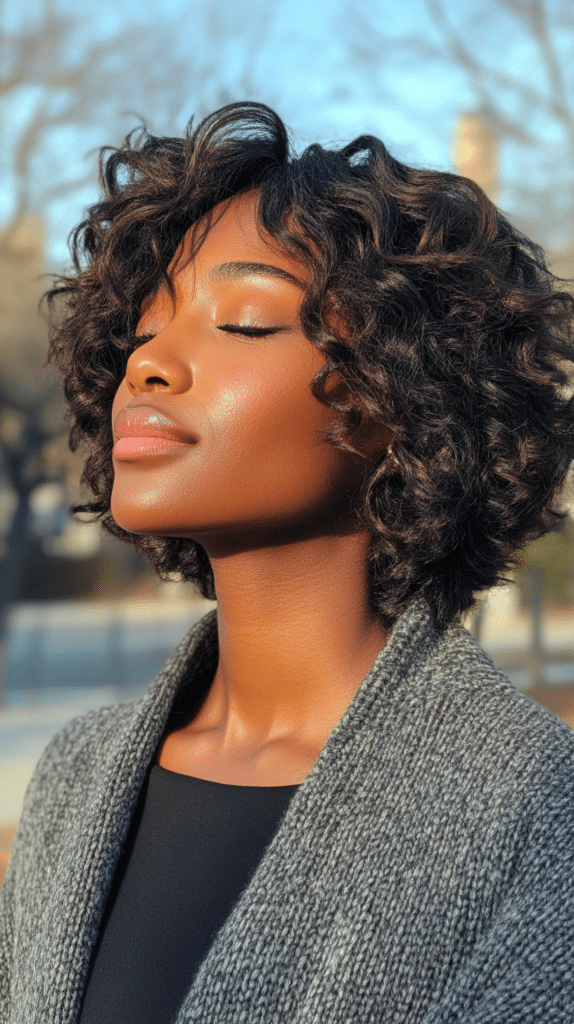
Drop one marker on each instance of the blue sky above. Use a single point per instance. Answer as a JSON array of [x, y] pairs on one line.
[[300, 57]]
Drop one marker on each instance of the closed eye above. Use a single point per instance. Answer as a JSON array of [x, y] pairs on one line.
[[249, 330]]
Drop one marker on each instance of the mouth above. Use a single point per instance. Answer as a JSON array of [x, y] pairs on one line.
[[141, 430], [133, 447]]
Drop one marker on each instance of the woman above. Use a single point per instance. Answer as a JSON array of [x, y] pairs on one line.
[[332, 390]]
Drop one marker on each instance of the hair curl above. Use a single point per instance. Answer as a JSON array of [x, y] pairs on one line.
[[455, 340]]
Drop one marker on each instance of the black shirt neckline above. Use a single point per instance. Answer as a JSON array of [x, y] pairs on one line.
[[225, 785]]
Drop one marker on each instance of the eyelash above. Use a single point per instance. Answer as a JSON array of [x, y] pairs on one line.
[[250, 332], [245, 330]]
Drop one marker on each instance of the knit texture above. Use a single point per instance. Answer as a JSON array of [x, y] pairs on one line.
[[422, 873]]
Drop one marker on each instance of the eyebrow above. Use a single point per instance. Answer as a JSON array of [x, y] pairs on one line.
[[238, 269]]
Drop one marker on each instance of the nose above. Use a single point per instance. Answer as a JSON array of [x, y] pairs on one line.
[[157, 366]]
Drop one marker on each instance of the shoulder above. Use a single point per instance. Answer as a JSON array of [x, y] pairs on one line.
[[507, 736], [69, 765], [447, 711], [470, 675], [484, 773], [81, 738]]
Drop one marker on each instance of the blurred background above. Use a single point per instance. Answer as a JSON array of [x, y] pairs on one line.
[[485, 87]]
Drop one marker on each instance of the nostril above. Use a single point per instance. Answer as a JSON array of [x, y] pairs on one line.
[[156, 380]]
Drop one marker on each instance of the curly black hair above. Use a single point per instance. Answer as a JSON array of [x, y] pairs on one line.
[[452, 335]]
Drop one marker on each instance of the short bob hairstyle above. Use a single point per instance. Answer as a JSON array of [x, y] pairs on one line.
[[441, 319]]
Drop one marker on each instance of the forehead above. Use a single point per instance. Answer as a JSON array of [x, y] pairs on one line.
[[230, 237], [227, 245]]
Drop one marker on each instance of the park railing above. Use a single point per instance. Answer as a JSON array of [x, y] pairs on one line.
[[540, 658]]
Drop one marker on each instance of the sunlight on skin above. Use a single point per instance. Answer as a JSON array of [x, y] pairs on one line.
[[272, 504]]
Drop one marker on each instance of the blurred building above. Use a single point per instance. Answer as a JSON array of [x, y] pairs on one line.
[[476, 151], [21, 285], [476, 155]]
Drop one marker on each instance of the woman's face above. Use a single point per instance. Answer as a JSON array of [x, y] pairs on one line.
[[228, 365]]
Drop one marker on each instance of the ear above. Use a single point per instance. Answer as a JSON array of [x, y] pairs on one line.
[[373, 439]]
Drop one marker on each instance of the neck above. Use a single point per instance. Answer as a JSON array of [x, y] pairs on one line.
[[296, 638]]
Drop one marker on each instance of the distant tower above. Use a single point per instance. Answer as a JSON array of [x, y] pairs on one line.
[[23, 332], [476, 151]]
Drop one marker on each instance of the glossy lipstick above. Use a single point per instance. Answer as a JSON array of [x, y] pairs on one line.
[[144, 430]]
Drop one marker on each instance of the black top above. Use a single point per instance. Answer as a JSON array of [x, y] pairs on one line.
[[192, 847]]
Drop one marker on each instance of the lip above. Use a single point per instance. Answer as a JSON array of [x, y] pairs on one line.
[[146, 430]]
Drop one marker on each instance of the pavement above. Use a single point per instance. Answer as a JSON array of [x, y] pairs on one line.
[[25, 731]]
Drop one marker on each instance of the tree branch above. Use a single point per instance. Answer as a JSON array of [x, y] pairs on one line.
[[480, 73]]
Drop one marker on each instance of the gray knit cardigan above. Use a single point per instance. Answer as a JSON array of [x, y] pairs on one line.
[[422, 873]]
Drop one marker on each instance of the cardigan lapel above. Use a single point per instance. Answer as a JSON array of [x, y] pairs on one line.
[[99, 828]]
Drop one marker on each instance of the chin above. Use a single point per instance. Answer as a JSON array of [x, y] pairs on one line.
[[130, 520]]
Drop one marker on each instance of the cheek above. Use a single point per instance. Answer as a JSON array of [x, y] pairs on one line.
[[276, 461], [270, 414]]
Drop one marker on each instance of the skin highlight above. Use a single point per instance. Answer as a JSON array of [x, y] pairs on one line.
[[270, 501]]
